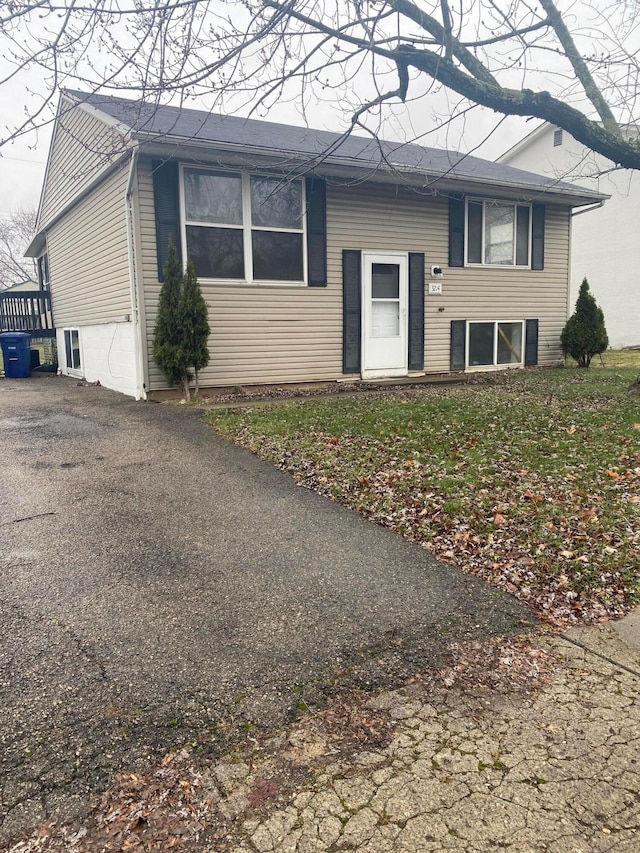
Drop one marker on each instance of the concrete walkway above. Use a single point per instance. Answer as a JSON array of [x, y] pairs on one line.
[[471, 767], [160, 586]]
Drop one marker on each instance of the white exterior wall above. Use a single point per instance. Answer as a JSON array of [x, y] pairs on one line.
[[604, 242], [107, 355]]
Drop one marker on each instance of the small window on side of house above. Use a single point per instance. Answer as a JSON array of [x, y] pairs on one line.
[[557, 137], [72, 348], [43, 272]]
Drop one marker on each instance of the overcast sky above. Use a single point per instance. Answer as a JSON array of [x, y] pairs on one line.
[[22, 163]]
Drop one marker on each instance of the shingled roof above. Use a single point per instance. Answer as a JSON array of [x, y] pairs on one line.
[[179, 125]]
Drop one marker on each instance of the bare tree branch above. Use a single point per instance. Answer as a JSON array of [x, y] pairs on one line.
[[16, 231], [573, 63]]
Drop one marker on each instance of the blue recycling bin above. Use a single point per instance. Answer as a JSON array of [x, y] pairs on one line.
[[16, 354]]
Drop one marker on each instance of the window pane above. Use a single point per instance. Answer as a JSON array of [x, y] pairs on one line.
[[509, 343], [75, 348], [474, 232], [385, 281], [216, 252], [498, 233], [277, 256], [67, 347], [481, 343], [213, 197], [276, 203], [522, 237], [43, 272]]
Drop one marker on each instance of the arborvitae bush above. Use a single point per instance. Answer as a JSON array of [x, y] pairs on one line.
[[584, 334], [195, 323], [169, 351], [182, 326]]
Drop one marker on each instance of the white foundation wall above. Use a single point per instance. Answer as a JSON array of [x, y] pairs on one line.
[[108, 355]]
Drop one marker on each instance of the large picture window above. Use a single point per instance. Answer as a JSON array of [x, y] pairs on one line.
[[246, 227], [495, 344], [498, 233]]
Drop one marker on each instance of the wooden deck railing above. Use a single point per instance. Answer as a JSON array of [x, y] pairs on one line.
[[27, 311]]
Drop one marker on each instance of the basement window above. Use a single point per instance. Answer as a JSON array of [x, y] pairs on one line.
[[72, 348], [495, 344]]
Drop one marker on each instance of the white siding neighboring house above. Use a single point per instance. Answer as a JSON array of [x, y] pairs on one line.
[[605, 246], [22, 286], [373, 260]]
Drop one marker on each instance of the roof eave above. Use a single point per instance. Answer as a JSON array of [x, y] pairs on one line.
[[35, 247], [413, 176]]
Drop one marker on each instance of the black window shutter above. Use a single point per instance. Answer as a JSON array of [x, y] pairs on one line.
[[456, 231], [351, 310], [316, 191], [416, 310], [458, 357], [167, 208], [537, 236], [531, 345]]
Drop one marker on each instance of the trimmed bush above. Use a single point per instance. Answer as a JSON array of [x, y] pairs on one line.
[[584, 334], [168, 336], [195, 323]]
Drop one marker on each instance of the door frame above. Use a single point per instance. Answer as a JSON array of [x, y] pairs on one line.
[[370, 257]]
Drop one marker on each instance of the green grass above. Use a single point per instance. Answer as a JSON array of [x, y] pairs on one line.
[[530, 479]]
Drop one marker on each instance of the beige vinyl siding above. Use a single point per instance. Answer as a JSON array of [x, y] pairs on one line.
[[289, 334], [376, 217], [258, 333], [82, 147], [89, 260]]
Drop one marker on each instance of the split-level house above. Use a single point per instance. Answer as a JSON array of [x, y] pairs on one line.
[[604, 244], [320, 257]]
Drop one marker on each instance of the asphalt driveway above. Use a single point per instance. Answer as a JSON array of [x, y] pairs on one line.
[[161, 586]]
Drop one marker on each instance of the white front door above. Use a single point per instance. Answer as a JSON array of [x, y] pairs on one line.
[[384, 314]]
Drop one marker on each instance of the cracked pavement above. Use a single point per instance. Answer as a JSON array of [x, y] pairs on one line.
[[475, 769], [160, 588]]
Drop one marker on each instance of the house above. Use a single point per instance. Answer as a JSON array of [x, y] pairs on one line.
[[604, 243], [321, 257], [26, 285]]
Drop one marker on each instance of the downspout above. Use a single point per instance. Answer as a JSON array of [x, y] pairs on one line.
[[135, 314]]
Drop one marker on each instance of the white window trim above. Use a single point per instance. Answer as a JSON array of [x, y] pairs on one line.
[[515, 205], [73, 371], [495, 365], [246, 227]]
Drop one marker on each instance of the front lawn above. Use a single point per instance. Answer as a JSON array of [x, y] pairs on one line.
[[529, 479]]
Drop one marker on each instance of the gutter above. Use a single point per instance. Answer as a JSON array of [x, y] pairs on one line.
[[588, 208]]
